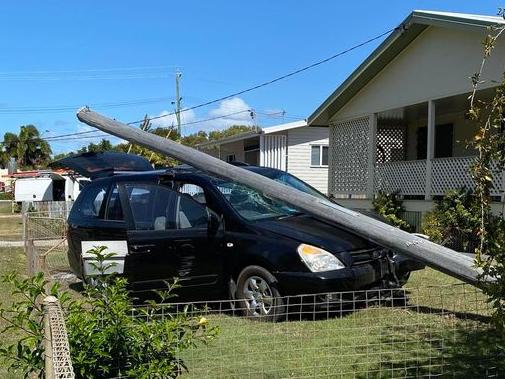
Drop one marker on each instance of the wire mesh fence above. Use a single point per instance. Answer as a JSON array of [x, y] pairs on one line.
[[45, 243], [441, 331]]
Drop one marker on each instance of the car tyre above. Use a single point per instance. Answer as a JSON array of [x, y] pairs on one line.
[[258, 294]]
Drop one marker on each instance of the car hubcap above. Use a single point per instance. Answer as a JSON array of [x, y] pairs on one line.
[[258, 295]]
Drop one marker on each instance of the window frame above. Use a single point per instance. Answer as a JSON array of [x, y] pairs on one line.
[[128, 212], [107, 204], [321, 147]]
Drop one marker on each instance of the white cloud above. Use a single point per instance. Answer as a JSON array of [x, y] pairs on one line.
[[233, 105], [234, 111], [168, 119]]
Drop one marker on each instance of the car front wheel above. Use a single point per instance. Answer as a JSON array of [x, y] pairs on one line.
[[258, 295]]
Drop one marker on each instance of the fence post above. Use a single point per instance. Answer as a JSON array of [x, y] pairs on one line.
[[49, 301], [30, 256], [57, 362]]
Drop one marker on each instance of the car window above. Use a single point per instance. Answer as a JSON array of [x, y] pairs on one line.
[[93, 201], [152, 206], [114, 209], [196, 192], [191, 213], [252, 204], [156, 207]]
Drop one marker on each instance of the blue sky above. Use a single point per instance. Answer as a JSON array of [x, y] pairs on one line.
[[60, 55]]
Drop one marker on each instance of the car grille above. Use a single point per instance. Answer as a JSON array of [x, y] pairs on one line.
[[360, 257]]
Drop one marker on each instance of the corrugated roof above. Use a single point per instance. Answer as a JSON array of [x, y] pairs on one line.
[[400, 38]]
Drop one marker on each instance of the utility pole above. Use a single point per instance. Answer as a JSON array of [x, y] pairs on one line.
[[143, 127], [177, 102]]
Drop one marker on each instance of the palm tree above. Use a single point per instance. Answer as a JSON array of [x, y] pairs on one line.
[[28, 147]]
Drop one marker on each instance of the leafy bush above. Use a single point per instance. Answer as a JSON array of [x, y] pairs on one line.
[[6, 196], [25, 316], [108, 335], [454, 222], [390, 207]]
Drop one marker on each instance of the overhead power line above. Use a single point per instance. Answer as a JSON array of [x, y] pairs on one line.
[[72, 108], [208, 119], [277, 79], [89, 74]]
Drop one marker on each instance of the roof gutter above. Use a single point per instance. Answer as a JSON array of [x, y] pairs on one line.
[[235, 138]]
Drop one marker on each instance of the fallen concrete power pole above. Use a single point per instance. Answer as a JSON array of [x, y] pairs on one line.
[[436, 256]]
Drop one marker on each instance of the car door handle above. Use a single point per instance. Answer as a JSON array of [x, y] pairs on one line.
[[146, 248]]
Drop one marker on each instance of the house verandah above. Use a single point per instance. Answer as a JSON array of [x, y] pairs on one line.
[[420, 151], [398, 122]]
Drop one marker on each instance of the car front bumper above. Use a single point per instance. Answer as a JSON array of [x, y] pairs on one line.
[[359, 277]]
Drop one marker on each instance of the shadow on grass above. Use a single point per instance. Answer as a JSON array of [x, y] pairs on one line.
[[458, 352]]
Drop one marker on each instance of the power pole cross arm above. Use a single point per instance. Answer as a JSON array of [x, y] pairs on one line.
[[436, 256]]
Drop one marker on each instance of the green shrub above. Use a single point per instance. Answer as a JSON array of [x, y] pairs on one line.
[[108, 335], [454, 222], [25, 317], [6, 196], [390, 207]]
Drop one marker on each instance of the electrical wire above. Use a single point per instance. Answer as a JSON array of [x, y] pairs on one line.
[[72, 108], [208, 119], [277, 79]]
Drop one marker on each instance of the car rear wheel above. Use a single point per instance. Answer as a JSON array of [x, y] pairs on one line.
[[258, 294]]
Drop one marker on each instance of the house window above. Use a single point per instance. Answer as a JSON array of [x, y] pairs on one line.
[[230, 158], [319, 155]]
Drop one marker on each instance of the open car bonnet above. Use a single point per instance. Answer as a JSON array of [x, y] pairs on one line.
[[93, 165]]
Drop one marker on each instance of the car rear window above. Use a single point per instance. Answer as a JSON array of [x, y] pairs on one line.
[[92, 202], [114, 209]]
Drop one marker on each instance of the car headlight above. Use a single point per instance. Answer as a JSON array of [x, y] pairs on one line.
[[317, 259]]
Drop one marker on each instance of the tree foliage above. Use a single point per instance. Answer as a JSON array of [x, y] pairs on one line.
[[454, 222], [390, 207], [159, 160], [489, 142], [27, 147]]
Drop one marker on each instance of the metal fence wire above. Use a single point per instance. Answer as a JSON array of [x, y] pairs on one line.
[[439, 331], [45, 243]]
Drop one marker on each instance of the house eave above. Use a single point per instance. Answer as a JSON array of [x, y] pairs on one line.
[[399, 39], [235, 138]]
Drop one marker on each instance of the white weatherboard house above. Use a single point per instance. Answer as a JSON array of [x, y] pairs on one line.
[[398, 122], [291, 147]]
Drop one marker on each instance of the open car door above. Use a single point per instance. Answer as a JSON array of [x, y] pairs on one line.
[[94, 165]]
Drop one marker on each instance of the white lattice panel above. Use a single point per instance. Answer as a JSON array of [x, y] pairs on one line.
[[453, 173], [407, 177], [348, 171], [391, 144]]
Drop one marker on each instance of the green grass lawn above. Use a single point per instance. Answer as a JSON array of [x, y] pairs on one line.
[[5, 207], [11, 228]]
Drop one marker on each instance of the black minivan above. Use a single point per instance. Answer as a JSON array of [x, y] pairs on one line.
[[219, 237]]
